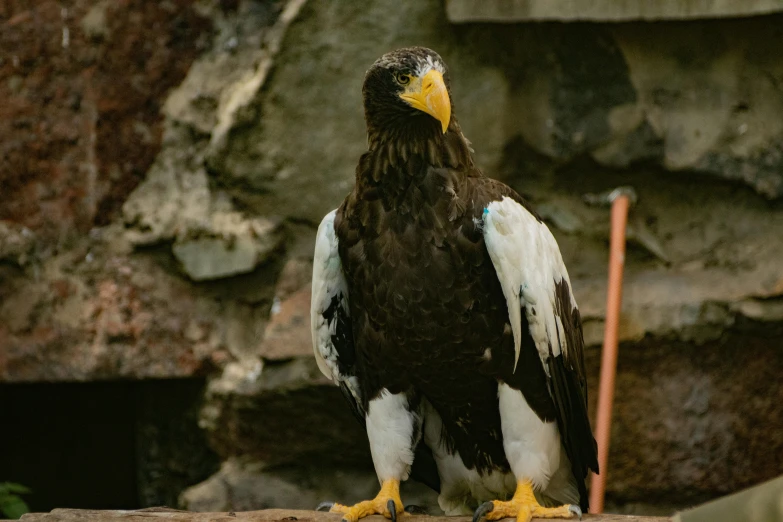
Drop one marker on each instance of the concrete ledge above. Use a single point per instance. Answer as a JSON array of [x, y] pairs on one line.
[[460, 11], [267, 515]]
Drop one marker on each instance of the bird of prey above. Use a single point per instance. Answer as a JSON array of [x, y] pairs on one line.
[[442, 308]]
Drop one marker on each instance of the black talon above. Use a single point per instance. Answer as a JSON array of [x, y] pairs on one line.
[[482, 510], [322, 505], [392, 507], [412, 509]]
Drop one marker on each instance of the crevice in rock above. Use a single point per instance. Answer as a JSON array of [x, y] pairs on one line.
[[104, 445]]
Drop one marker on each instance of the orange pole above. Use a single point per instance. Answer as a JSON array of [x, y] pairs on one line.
[[620, 207]]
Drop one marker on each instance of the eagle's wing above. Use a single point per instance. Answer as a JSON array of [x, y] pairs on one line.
[[333, 341], [330, 316], [541, 306]]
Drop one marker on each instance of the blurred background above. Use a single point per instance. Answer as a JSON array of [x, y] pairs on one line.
[[164, 166]]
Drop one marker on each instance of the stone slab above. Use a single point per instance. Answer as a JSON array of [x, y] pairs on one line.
[[267, 515], [509, 11]]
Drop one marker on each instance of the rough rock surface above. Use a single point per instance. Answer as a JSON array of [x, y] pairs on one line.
[[621, 93], [16, 243], [268, 412], [69, 166], [633, 93], [295, 137], [85, 296], [241, 485], [697, 409], [507, 11], [99, 313], [288, 332], [228, 244]]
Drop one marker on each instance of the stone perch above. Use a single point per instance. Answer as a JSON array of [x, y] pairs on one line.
[[267, 515]]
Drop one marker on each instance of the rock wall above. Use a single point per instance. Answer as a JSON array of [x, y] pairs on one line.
[[164, 168]]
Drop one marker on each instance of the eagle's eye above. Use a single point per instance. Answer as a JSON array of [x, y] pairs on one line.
[[402, 79]]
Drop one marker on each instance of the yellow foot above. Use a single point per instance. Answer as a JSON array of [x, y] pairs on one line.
[[386, 503], [523, 506]]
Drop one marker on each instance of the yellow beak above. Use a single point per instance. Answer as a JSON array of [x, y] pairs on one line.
[[429, 94]]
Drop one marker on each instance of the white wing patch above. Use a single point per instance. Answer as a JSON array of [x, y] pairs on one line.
[[328, 282], [529, 265]]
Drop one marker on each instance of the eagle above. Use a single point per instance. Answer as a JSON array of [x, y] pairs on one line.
[[443, 310]]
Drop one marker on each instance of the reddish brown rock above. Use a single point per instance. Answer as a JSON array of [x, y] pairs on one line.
[[288, 333], [295, 275], [100, 314], [102, 82], [694, 421]]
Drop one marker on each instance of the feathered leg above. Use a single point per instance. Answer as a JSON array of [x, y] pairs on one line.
[[393, 430], [533, 450]]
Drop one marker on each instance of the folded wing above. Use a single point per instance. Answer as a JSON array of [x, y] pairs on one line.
[[542, 309], [330, 316]]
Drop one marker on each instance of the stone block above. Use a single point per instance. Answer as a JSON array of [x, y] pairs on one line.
[[509, 11]]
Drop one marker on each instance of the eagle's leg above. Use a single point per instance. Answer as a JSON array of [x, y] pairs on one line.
[[393, 430], [387, 503], [533, 449], [523, 506]]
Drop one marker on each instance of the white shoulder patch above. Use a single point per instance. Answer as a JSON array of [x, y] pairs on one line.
[[529, 265], [328, 283]]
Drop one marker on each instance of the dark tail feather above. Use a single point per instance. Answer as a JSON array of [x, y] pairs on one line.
[[424, 469]]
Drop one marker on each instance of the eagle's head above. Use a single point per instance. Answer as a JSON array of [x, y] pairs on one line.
[[406, 91]]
